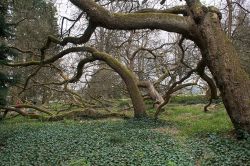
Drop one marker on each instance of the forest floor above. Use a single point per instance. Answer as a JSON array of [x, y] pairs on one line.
[[184, 135]]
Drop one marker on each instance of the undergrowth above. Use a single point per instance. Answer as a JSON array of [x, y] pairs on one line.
[[183, 136]]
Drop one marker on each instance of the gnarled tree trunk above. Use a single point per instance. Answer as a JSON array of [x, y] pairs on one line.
[[224, 64], [232, 80]]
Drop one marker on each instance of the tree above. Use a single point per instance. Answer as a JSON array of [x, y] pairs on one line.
[[241, 39], [6, 79], [193, 21], [36, 20], [104, 83]]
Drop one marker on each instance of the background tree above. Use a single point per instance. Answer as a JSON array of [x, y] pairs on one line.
[[241, 39], [36, 21], [6, 53]]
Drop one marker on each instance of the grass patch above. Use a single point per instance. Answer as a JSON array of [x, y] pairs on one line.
[[192, 120]]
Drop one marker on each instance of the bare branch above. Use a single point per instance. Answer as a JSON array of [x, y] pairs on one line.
[[23, 51], [53, 58], [29, 77], [80, 69], [182, 52], [174, 87], [74, 20], [74, 40]]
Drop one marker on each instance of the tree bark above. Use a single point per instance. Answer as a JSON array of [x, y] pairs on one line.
[[224, 64]]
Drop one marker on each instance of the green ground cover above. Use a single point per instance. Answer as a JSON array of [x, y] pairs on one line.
[[184, 136]]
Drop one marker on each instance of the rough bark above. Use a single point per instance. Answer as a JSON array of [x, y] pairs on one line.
[[231, 79], [224, 64]]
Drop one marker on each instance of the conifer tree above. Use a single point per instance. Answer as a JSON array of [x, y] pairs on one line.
[[5, 54]]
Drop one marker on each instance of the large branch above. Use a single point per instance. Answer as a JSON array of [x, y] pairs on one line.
[[33, 107], [80, 69], [127, 76], [131, 21]]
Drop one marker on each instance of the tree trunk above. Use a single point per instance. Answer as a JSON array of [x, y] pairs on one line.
[[224, 64], [130, 81]]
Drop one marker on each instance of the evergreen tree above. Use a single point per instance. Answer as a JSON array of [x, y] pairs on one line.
[[5, 53], [31, 34]]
